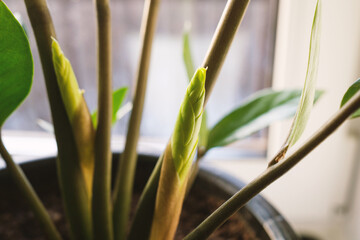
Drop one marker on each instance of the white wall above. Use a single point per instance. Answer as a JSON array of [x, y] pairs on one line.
[[322, 180], [311, 194]]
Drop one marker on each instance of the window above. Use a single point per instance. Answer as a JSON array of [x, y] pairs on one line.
[[248, 67]]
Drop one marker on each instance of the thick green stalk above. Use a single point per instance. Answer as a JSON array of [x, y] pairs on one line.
[[29, 194], [78, 114], [218, 217], [221, 42], [193, 173], [126, 170], [225, 32], [141, 224], [101, 203], [177, 160], [78, 210]]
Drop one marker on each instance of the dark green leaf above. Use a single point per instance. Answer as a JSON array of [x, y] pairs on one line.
[[354, 88], [118, 97], [16, 64], [259, 111]]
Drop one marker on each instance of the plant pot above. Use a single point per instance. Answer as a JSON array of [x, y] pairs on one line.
[[258, 218]]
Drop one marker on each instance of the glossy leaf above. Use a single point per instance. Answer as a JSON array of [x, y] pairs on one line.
[[16, 64], [118, 97], [308, 93], [354, 88], [259, 111]]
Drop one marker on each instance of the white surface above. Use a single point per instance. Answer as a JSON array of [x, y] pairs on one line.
[[25, 146], [310, 194]]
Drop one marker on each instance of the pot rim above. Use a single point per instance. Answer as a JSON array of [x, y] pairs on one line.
[[265, 215]]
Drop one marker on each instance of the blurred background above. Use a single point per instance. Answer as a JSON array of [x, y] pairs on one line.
[[321, 196]]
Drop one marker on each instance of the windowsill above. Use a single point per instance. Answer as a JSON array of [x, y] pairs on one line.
[[29, 145]]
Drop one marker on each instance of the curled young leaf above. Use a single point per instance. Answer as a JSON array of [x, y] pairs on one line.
[[185, 135], [177, 160], [189, 66], [69, 87], [78, 114], [308, 92]]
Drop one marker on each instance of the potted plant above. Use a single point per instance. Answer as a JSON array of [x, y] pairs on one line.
[[84, 161]]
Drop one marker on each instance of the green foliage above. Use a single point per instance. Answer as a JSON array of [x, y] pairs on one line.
[[353, 89], [68, 85], [259, 111], [171, 176], [189, 66], [118, 97], [16, 63], [308, 93], [177, 160], [187, 127], [204, 132]]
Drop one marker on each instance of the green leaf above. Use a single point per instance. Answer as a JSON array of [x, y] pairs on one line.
[[204, 132], [308, 93], [258, 112], [354, 88], [16, 64], [71, 94], [177, 160], [118, 97], [77, 112], [185, 136], [189, 65]]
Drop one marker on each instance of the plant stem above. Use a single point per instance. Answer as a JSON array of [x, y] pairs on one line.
[[141, 225], [101, 205], [127, 164], [70, 175], [29, 194], [230, 21], [221, 42], [224, 35], [193, 174], [218, 217]]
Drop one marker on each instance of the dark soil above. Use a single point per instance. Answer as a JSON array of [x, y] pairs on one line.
[[18, 223]]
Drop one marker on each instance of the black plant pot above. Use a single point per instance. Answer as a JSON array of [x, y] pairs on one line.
[[264, 220]]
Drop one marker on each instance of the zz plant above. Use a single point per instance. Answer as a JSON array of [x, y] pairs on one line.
[[93, 209]]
